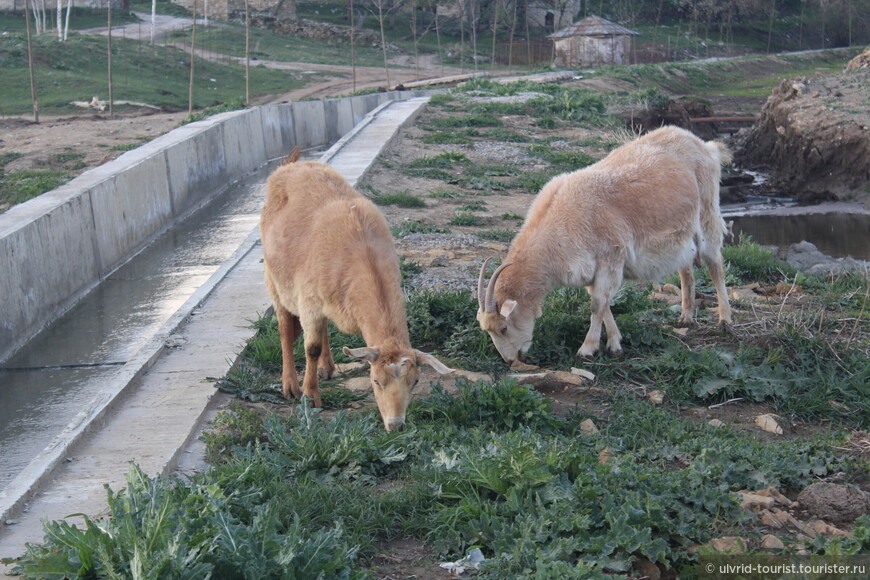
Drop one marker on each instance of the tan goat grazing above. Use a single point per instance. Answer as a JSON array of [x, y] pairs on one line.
[[648, 209], [329, 254]]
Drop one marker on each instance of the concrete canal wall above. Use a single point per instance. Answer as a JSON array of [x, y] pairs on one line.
[[57, 247]]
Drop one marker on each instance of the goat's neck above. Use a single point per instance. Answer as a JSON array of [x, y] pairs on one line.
[[381, 314], [528, 281]]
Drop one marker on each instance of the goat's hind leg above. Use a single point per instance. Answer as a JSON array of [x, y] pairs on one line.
[[687, 291], [289, 329], [716, 268]]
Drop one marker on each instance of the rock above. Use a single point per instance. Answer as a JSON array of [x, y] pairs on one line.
[[728, 545], [754, 502], [771, 542], [772, 520], [358, 384], [827, 529], [472, 376], [546, 377], [656, 397], [834, 502], [521, 366], [769, 424], [775, 494], [588, 427], [583, 373], [605, 456], [715, 423], [646, 569]]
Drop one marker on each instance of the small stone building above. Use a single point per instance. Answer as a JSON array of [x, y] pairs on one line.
[[591, 42]]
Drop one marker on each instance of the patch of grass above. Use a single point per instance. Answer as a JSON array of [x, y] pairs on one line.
[[562, 160], [124, 147], [8, 157], [468, 120], [497, 235], [446, 138], [401, 199], [465, 219], [512, 216], [506, 136], [443, 160], [749, 262], [473, 206], [19, 186], [415, 227], [533, 182], [446, 194]]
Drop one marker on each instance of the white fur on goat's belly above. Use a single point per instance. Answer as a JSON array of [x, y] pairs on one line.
[[653, 266]]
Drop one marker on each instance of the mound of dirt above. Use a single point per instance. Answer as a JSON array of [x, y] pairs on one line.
[[813, 135], [860, 61]]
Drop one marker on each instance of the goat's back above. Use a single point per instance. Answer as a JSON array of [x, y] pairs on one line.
[[645, 199], [322, 240]]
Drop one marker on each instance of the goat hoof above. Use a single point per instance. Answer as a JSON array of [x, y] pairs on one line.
[[325, 373], [725, 327], [686, 323]]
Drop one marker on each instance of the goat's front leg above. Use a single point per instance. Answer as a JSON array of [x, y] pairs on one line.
[[326, 364], [687, 288], [313, 333], [601, 294], [289, 330]]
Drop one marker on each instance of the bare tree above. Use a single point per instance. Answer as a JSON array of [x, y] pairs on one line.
[[192, 62], [30, 63], [247, 54], [69, 5], [384, 8], [111, 87]]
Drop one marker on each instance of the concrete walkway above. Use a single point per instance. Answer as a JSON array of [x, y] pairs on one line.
[[154, 419]]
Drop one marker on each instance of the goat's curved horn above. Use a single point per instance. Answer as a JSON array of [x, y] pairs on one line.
[[481, 291], [490, 289]]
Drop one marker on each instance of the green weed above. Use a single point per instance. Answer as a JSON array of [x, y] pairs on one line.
[[465, 219], [415, 227]]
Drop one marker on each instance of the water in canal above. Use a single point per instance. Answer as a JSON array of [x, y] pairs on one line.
[[56, 375], [838, 235]]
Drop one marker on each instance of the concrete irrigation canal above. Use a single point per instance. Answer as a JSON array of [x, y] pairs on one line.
[[126, 289]]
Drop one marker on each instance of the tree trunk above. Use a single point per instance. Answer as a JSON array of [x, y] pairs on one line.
[[192, 62], [30, 64]]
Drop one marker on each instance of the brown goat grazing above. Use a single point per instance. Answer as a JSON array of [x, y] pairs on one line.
[[648, 209], [329, 254]]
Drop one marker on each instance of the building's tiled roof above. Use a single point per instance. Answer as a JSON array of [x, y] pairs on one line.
[[593, 26]]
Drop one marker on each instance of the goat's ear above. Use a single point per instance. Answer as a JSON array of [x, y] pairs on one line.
[[507, 307], [367, 353], [428, 359]]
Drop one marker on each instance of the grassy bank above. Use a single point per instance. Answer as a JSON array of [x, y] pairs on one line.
[[503, 468]]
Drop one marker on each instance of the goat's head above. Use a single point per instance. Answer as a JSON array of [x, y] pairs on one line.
[[394, 374], [509, 324]]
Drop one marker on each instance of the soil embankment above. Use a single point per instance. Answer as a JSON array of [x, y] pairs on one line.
[[813, 135]]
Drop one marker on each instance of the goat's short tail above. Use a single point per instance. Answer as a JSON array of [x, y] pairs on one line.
[[293, 157], [720, 151]]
